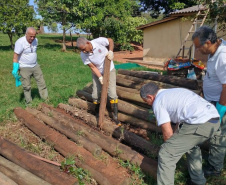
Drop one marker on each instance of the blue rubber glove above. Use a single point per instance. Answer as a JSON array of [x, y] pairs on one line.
[[16, 67], [221, 110], [18, 82]]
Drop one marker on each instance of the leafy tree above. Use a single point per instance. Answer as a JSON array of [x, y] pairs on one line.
[[217, 11], [64, 12], [15, 17], [165, 6], [114, 19]]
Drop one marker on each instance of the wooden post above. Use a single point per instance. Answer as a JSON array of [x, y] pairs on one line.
[[104, 91]]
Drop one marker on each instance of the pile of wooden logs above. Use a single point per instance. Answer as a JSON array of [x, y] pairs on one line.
[[73, 130]]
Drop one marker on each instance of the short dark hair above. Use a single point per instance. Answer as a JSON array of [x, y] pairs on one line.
[[205, 33], [148, 89]]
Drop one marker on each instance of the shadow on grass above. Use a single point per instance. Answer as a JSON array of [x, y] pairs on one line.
[[34, 94], [51, 46], [58, 47], [6, 48], [60, 37]]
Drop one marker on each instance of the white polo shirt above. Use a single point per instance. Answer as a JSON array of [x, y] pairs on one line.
[[27, 52], [98, 55], [216, 74], [182, 105]]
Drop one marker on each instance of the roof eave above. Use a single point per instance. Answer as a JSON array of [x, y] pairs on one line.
[[156, 22]]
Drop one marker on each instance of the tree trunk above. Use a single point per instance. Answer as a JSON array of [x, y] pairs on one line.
[[43, 170], [72, 133], [63, 44], [18, 174], [109, 174], [11, 39], [182, 82], [71, 39]]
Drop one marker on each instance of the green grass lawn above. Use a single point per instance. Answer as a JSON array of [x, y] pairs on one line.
[[64, 74]]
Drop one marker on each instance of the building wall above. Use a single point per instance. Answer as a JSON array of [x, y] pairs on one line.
[[163, 41]]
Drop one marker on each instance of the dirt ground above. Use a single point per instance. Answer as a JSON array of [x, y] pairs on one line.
[[124, 56]]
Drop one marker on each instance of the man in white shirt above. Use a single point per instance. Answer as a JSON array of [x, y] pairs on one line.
[[25, 62], [198, 120], [214, 89], [93, 54]]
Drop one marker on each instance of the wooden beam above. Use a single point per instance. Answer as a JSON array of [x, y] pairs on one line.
[[104, 91]]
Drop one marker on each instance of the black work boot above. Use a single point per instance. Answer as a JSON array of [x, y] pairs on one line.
[[189, 182], [209, 170], [114, 110], [97, 107]]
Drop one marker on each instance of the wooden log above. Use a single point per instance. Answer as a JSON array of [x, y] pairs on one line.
[[4, 180], [79, 103], [104, 174], [118, 132], [130, 94], [18, 174], [124, 95], [108, 144], [45, 171], [182, 82], [104, 91], [69, 132], [125, 107], [137, 83], [131, 90]]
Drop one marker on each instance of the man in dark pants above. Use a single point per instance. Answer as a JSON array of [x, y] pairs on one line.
[[198, 120]]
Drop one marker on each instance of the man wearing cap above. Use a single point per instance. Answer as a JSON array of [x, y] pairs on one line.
[[25, 62], [198, 121]]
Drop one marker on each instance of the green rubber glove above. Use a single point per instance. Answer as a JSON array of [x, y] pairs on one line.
[[221, 110], [16, 67]]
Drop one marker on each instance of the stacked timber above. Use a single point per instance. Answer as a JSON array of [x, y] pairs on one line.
[[73, 130], [132, 110], [23, 168]]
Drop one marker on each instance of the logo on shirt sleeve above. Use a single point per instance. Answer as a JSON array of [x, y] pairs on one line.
[[99, 50]]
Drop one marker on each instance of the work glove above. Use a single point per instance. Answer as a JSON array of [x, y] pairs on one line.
[[16, 67], [221, 110], [110, 55], [101, 79], [18, 82]]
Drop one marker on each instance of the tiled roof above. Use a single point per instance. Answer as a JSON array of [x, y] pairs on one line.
[[175, 15], [156, 22], [192, 9]]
